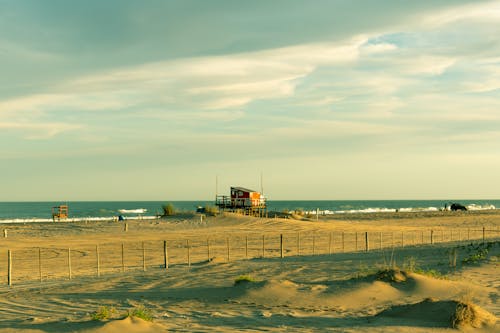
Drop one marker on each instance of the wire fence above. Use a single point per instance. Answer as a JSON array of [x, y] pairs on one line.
[[44, 264]]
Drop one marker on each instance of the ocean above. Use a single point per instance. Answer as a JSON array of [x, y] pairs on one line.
[[87, 210]]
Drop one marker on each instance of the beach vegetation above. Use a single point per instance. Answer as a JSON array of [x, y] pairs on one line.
[[468, 314], [477, 252], [391, 272], [103, 313], [391, 275], [211, 210], [390, 262], [244, 279], [140, 312], [168, 209], [433, 273], [476, 257], [410, 264]]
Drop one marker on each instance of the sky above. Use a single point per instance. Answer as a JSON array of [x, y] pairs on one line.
[[322, 100]]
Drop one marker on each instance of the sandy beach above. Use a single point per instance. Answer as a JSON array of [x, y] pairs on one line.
[[403, 283]]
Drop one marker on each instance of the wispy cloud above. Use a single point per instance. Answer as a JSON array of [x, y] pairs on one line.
[[475, 11], [201, 83], [33, 131]]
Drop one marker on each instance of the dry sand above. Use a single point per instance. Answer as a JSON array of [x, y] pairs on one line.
[[338, 292]]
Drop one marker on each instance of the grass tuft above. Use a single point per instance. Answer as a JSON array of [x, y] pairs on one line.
[[168, 209], [140, 312], [211, 210], [244, 279], [103, 313]]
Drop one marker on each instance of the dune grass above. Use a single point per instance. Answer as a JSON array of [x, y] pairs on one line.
[[168, 209], [103, 313], [244, 279], [140, 312]]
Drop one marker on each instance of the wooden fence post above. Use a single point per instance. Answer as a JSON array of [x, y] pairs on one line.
[[188, 253], [9, 268], [432, 237], [402, 239], [69, 263], [98, 268], [366, 241], [40, 263], [123, 258], [246, 247], [4, 233], [468, 234], [143, 257], [330, 243], [227, 245], [208, 249], [314, 243], [343, 242], [356, 241], [165, 255], [125, 228], [281, 246], [298, 243], [263, 246], [484, 235], [422, 236]]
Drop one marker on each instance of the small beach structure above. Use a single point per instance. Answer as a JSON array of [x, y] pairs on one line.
[[60, 212], [243, 200]]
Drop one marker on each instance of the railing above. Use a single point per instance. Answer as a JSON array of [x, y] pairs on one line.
[[224, 201]]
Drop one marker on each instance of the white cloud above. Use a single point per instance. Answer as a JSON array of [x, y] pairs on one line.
[[369, 49], [427, 64], [60, 101], [207, 83], [228, 81], [490, 79], [35, 131], [478, 11]]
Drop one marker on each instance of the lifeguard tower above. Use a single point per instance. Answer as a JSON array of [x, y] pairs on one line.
[[60, 212], [248, 202]]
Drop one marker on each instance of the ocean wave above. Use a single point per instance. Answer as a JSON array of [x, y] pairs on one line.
[[480, 207], [472, 207], [76, 219]]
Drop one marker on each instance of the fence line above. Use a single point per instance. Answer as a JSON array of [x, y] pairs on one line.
[[72, 262]]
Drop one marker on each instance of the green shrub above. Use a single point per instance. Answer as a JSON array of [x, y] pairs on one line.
[[211, 210], [103, 313], [391, 275], [431, 273], [478, 256], [140, 312], [243, 279], [168, 209]]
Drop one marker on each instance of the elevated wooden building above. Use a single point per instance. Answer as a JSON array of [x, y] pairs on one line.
[[243, 200]]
